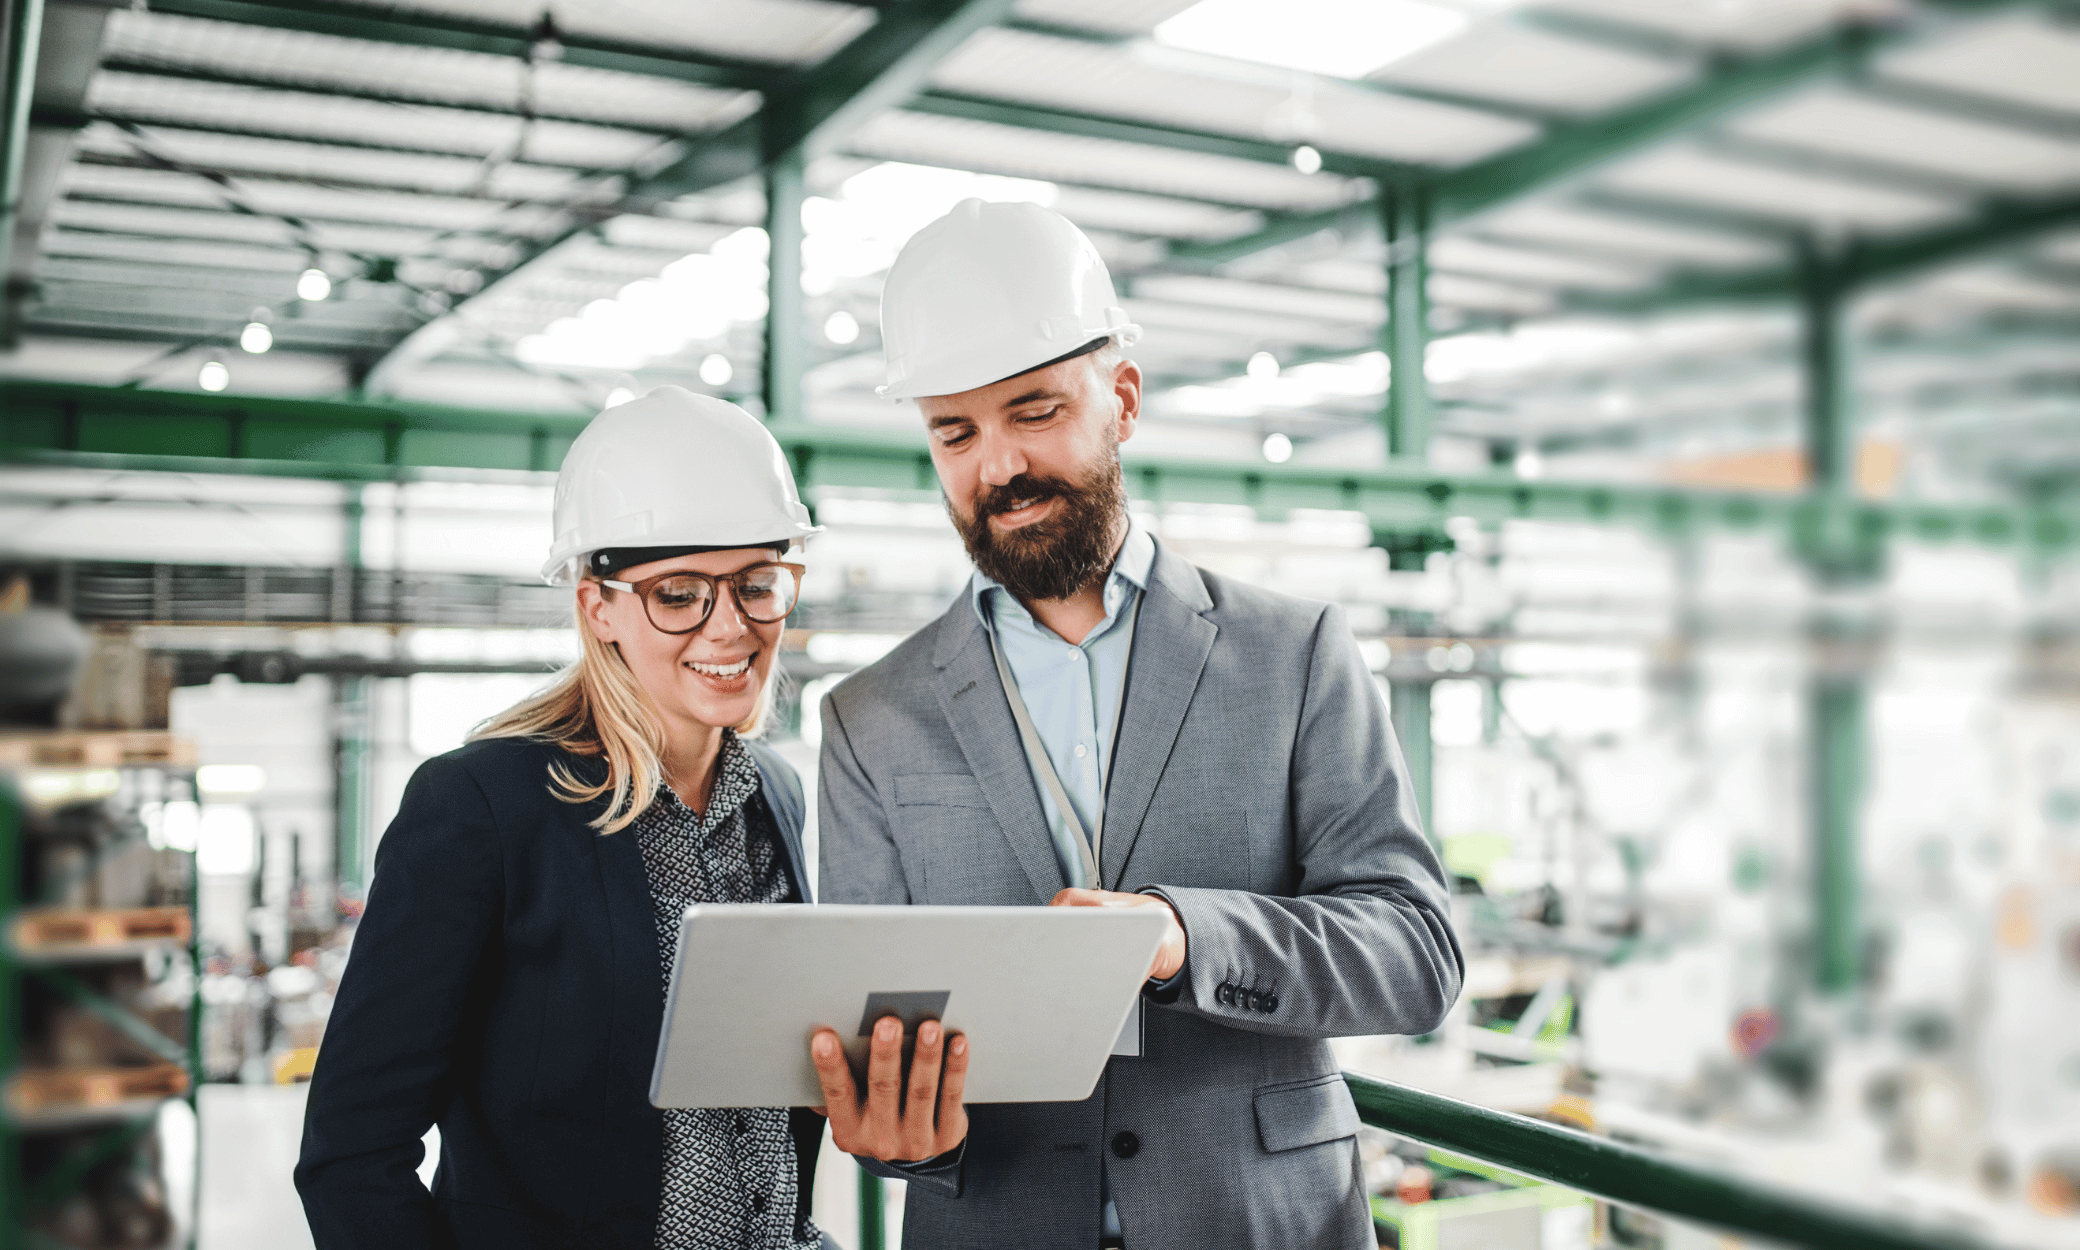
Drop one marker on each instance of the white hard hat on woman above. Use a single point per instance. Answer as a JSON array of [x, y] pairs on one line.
[[672, 469], [990, 291], [505, 937]]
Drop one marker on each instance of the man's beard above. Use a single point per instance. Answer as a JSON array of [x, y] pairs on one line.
[[1054, 558]]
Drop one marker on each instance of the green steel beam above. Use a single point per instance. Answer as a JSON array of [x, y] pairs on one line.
[[424, 28], [1813, 161], [786, 334], [809, 112], [1642, 1179], [428, 95], [1279, 230], [395, 185], [70, 424], [1082, 125], [21, 37], [278, 129], [1860, 262], [1572, 150], [1456, 99]]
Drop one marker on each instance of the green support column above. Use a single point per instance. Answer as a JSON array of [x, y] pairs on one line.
[[1830, 420], [1404, 213], [350, 721], [22, 37], [785, 342], [873, 1229], [1836, 753], [1405, 421], [1409, 703], [10, 1015], [350, 778], [1839, 637]]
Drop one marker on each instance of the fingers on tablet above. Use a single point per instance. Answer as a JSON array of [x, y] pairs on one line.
[[953, 1117]]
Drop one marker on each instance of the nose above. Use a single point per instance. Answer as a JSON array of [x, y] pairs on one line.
[[1002, 460], [726, 621]]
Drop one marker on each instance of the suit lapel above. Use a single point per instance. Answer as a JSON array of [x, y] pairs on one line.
[[972, 698], [1171, 643]]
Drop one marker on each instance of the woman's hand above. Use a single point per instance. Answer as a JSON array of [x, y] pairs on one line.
[[892, 1123]]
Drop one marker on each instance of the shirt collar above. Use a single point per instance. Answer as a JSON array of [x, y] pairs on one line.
[[1136, 560]]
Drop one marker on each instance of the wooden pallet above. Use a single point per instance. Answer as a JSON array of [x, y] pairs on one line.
[[94, 748], [44, 1093], [52, 933]]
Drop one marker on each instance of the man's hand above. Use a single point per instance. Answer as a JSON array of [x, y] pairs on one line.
[[1169, 956], [910, 1126]]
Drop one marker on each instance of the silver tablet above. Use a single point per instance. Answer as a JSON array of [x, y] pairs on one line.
[[1040, 993]]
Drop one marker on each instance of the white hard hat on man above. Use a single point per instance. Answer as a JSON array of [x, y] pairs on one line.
[[990, 291], [666, 474]]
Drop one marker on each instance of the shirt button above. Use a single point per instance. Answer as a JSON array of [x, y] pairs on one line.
[[1081, 751], [1126, 1145]]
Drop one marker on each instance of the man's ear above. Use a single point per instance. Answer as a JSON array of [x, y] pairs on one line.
[[1126, 388]]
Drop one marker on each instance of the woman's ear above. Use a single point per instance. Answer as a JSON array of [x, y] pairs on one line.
[[592, 605]]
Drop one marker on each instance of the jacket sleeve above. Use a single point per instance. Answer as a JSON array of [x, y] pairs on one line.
[[421, 956], [859, 863], [1365, 945]]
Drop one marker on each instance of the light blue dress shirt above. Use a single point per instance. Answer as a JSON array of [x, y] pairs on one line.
[[1072, 690]]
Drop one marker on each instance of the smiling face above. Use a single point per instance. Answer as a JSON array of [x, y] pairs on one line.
[[711, 678], [1030, 468]]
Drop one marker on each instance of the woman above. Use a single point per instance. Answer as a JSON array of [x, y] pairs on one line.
[[508, 978]]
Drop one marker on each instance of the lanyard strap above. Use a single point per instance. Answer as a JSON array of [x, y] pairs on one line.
[[1088, 846]]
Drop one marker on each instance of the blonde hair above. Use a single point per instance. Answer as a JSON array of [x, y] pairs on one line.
[[597, 708]]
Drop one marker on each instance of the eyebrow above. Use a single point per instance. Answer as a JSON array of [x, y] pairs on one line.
[[1031, 397]]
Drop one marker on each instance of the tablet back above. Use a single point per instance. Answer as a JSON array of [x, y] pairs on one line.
[[1040, 993]]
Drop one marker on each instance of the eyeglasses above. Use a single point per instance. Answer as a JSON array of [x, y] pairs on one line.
[[681, 602]]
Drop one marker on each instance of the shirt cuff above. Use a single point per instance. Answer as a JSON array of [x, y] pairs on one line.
[[935, 1165]]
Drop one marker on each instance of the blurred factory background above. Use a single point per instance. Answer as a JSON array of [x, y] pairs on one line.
[[1683, 400]]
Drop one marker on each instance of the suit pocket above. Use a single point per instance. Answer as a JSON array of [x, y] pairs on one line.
[[939, 790], [1305, 1114]]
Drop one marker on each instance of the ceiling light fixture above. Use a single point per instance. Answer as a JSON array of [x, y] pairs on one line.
[[256, 337], [1263, 365], [1277, 448], [313, 286], [842, 328], [716, 370], [213, 376], [1307, 160]]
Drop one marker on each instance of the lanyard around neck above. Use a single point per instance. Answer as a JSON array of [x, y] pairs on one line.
[[1088, 846]]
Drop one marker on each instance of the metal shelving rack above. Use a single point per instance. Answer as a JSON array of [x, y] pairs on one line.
[[109, 1109]]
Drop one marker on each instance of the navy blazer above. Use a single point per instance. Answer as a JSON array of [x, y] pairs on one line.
[[504, 984]]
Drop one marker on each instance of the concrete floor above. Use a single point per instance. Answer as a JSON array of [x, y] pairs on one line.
[[250, 1135], [249, 1141]]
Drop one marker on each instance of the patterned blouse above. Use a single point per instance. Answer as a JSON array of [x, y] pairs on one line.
[[730, 1181]]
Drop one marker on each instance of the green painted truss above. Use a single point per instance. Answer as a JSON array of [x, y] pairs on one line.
[[51, 423]]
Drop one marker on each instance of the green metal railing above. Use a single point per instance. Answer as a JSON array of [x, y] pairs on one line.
[[1629, 1176]]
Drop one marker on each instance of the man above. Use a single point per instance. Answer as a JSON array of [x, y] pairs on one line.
[[1098, 722]]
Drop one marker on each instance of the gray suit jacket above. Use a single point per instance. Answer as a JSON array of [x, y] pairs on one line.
[[1257, 786]]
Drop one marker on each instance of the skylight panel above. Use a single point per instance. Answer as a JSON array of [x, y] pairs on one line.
[[1341, 38]]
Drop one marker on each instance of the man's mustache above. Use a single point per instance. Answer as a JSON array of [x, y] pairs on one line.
[[1019, 491]]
